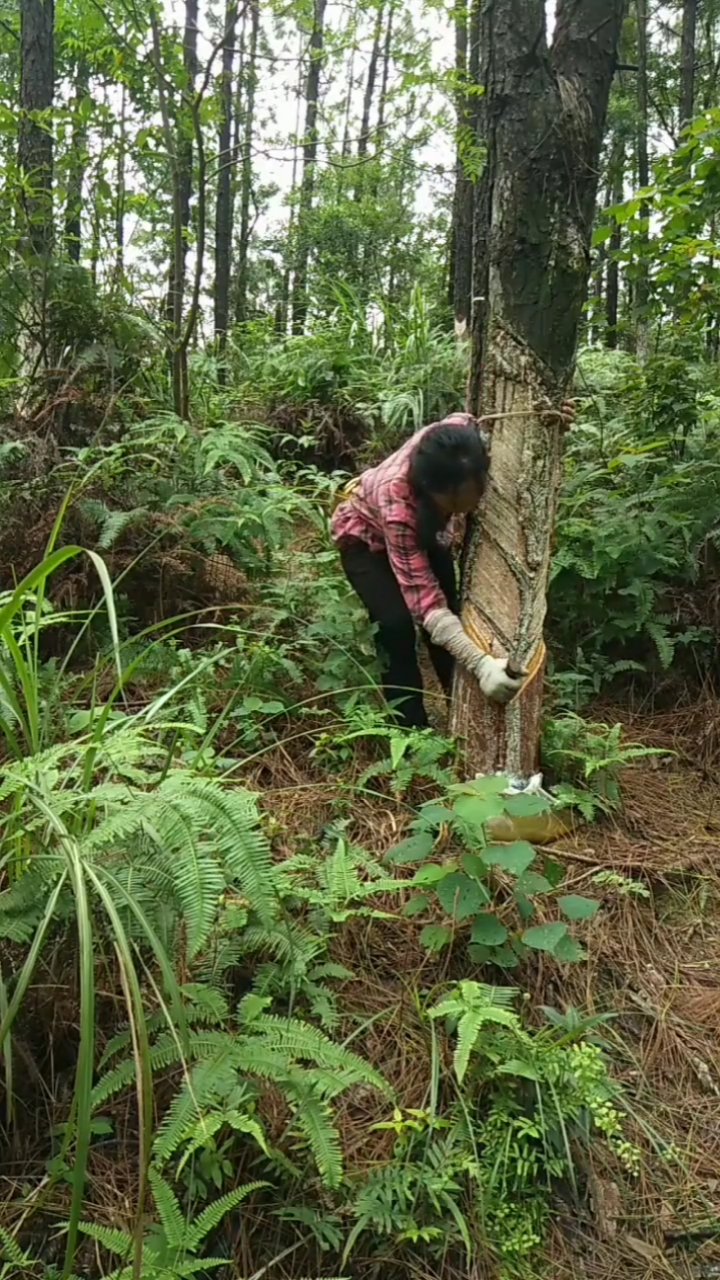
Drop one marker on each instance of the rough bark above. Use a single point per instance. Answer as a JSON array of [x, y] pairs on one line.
[[307, 183], [545, 114], [383, 98], [35, 143], [283, 308], [246, 166], [643, 176], [181, 149], [223, 202], [467, 59], [77, 165], [120, 190], [687, 62]]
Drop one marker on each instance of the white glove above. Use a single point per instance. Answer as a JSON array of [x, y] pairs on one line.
[[493, 679], [447, 631]]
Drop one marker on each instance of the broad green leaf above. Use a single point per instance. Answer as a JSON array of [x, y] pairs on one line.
[[554, 872], [488, 931], [545, 937], [435, 936], [513, 858], [602, 234], [524, 905], [473, 865], [475, 811], [568, 951], [460, 896], [576, 907], [432, 873], [516, 1067], [414, 849], [524, 806], [532, 882], [417, 904]]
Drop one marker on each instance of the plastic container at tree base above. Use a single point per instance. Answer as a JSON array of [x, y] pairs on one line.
[[540, 828]]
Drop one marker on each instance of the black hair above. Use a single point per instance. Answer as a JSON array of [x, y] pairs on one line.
[[444, 459]]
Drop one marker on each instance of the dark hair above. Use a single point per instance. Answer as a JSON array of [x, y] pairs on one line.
[[444, 459]]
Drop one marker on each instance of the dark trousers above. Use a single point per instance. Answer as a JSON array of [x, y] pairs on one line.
[[371, 576]]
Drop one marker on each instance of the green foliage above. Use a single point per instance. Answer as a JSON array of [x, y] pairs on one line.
[[588, 760], [481, 1168], [487, 891], [638, 505]]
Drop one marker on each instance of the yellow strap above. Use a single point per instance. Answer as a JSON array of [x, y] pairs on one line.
[[345, 493]]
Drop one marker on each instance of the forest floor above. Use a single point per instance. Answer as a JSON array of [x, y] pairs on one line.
[[653, 961]]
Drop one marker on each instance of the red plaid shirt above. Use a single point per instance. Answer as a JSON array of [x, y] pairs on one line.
[[382, 514]]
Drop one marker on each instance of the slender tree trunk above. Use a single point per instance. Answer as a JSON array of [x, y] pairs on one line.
[[246, 171], [121, 191], [643, 175], [545, 116], [307, 184], [383, 98], [687, 62], [180, 146], [37, 95], [612, 292], [284, 304], [368, 98], [223, 206], [78, 164], [467, 61]]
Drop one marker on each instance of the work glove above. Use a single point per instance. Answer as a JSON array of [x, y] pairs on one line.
[[494, 680], [447, 631]]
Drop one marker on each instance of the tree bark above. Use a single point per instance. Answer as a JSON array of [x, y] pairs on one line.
[[35, 144], [120, 191], [246, 168], [687, 62], [467, 61], [307, 183], [182, 150], [223, 204], [643, 175], [383, 98], [544, 115]]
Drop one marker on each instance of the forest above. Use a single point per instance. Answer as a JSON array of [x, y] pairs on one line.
[[286, 989]]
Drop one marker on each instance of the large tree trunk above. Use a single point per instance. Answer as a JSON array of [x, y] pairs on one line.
[[37, 93], [544, 116], [307, 184], [687, 62], [467, 62], [223, 204], [246, 167]]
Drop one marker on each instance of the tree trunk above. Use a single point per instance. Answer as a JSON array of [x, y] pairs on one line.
[[612, 293], [467, 62], [281, 322], [246, 171], [181, 148], [545, 116], [77, 164], [382, 100], [35, 144], [687, 62], [307, 184], [368, 97], [223, 205], [120, 191], [643, 176]]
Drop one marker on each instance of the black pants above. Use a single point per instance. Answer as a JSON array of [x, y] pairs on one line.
[[371, 576]]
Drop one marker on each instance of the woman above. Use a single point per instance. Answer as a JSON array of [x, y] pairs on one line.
[[392, 536]]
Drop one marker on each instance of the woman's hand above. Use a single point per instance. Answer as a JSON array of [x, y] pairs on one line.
[[494, 680], [564, 417]]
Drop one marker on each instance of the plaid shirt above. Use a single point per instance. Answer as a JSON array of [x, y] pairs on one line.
[[382, 514]]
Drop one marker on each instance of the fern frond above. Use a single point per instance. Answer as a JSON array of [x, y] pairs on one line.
[[169, 1211], [314, 1120], [212, 1216]]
